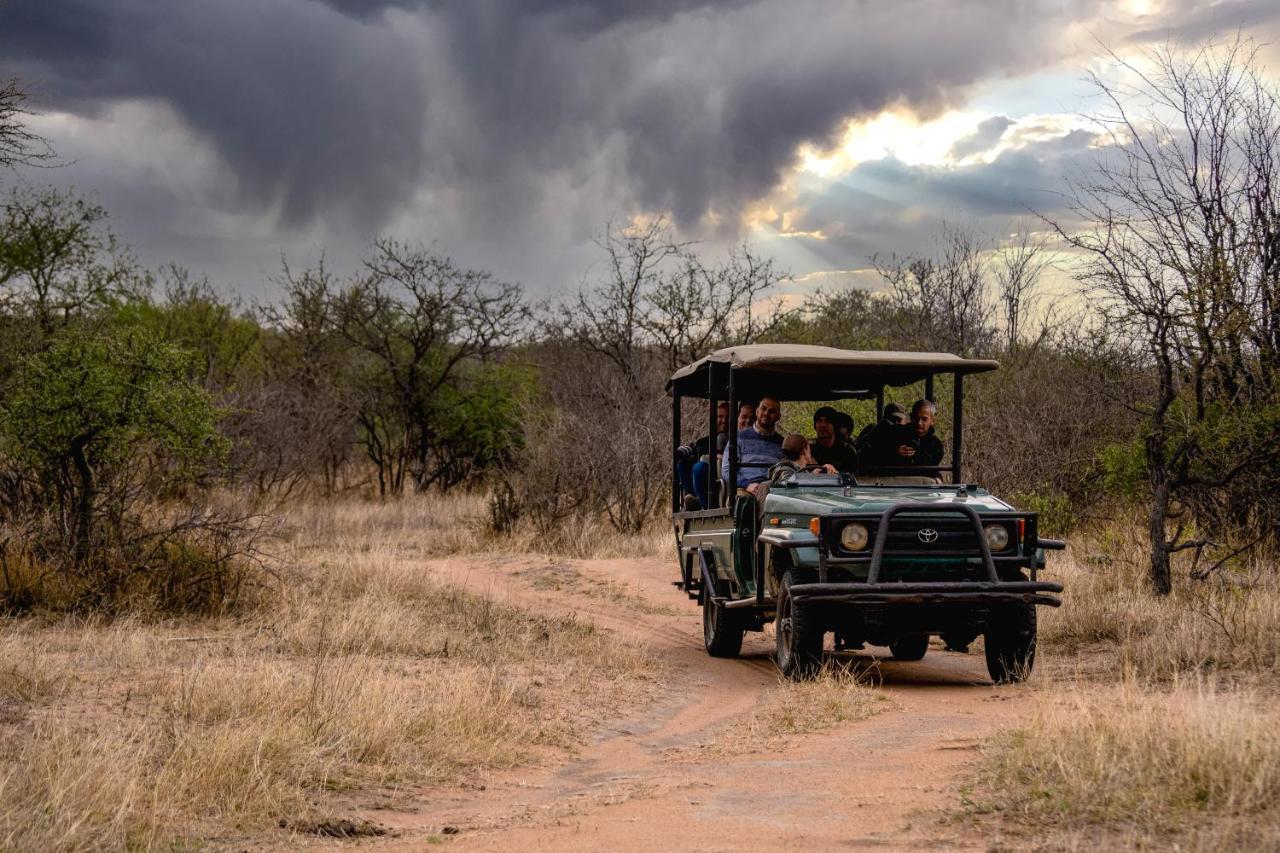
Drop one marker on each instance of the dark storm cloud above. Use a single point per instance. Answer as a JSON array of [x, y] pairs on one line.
[[305, 105], [504, 128]]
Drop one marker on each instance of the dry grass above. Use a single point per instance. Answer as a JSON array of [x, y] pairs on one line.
[[1186, 748], [358, 676], [442, 525], [835, 696], [1228, 624], [1140, 768]]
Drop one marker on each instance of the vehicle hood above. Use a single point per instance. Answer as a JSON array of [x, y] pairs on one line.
[[826, 500]]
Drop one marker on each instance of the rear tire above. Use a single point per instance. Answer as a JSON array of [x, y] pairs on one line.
[[721, 631], [799, 650], [1010, 643], [910, 647]]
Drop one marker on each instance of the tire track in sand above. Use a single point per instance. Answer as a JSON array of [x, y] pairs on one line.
[[877, 783]]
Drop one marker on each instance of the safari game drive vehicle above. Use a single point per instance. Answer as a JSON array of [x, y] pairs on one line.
[[888, 557]]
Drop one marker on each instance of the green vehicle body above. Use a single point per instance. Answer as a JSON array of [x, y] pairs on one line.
[[931, 558]]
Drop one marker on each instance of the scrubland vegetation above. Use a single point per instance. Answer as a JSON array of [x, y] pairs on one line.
[[354, 670], [215, 613]]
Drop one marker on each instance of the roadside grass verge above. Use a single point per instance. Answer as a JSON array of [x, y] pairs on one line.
[[1129, 767], [356, 678], [439, 525], [1228, 624]]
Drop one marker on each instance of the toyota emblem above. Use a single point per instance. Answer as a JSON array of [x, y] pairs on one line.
[[928, 534]]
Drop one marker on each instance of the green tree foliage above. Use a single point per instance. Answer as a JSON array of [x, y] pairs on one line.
[[417, 323], [59, 263], [224, 340], [88, 411]]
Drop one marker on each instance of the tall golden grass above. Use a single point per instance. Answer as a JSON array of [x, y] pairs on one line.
[[1140, 767], [354, 670], [1181, 744], [1228, 623]]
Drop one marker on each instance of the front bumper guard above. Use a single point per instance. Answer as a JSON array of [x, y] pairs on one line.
[[957, 592]]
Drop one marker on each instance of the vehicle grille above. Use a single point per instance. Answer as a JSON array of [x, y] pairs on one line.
[[954, 536]]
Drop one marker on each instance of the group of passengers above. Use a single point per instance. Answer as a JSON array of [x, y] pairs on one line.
[[901, 439]]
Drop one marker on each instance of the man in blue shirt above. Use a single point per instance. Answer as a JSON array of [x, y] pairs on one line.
[[759, 445]]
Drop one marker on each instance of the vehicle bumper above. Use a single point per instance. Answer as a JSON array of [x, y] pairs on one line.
[[957, 592]]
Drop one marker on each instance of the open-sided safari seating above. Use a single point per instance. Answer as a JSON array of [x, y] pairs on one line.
[[887, 557]]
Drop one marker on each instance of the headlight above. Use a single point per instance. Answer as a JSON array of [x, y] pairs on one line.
[[854, 537], [997, 536]]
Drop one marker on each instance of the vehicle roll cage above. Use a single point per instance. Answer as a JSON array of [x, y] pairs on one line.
[[798, 372]]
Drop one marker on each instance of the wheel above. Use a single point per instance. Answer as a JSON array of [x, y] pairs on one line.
[[910, 646], [721, 631], [799, 654], [1011, 642]]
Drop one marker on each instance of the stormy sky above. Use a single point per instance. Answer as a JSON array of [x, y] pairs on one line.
[[226, 134]]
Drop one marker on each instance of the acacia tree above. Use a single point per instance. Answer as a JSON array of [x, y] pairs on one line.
[[59, 261], [1184, 259], [421, 323]]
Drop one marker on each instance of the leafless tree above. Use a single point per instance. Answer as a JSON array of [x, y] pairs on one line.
[[19, 146], [1182, 258], [1019, 263], [942, 302]]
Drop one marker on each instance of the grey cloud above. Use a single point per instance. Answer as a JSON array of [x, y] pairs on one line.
[[501, 128], [309, 109], [886, 206], [1190, 21], [983, 139]]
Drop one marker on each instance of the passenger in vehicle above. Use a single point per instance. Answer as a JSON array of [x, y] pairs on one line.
[[877, 444], [797, 455], [692, 461], [844, 427], [828, 448], [923, 447], [759, 445], [894, 415], [746, 415]]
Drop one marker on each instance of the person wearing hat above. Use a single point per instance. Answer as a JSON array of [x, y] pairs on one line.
[[827, 448]]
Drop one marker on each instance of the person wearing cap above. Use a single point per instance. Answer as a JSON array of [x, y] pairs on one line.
[[878, 443], [827, 448]]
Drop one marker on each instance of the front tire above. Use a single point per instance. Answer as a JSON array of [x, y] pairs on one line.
[[799, 637], [721, 631], [1010, 643], [910, 647]]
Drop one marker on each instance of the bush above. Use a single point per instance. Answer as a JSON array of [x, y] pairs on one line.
[[97, 431], [1056, 514]]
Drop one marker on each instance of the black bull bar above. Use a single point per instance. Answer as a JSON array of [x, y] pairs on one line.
[[972, 592], [993, 590]]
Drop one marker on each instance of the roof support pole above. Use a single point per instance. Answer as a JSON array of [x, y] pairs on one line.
[[675, 442], [879, 405], [957, 427], [928, 388], [713, 467], [732, 447]]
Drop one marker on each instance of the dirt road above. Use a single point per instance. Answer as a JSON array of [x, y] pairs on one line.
[[884, 782]]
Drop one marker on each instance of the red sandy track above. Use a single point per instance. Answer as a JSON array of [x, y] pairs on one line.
[[884, 782]]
